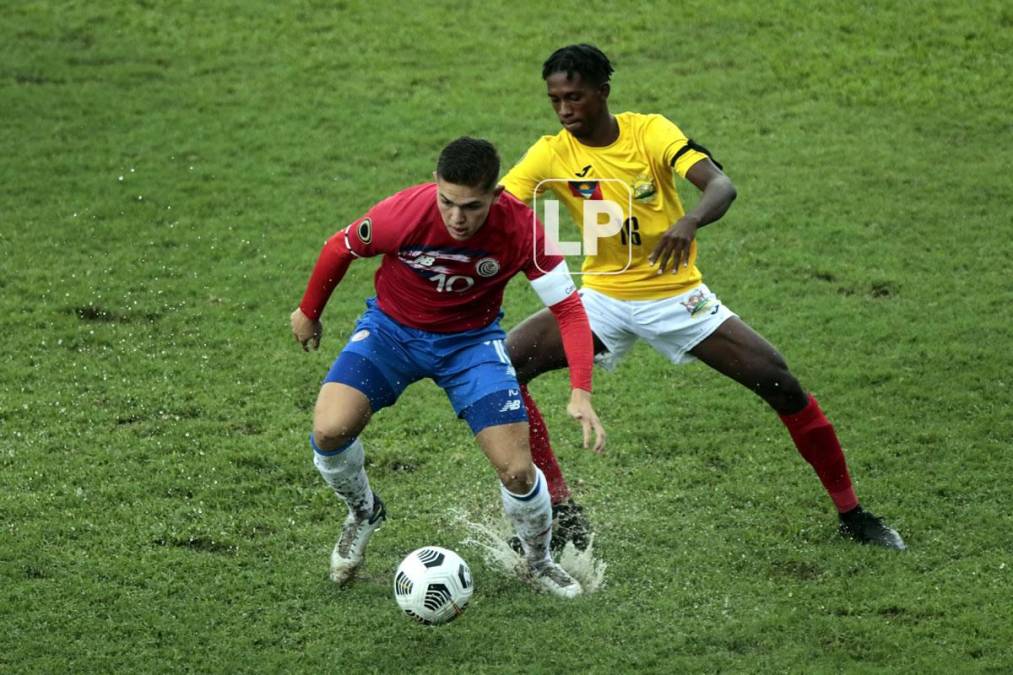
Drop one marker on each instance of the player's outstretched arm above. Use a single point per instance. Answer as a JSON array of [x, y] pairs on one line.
[[718, 194], [557, 291]]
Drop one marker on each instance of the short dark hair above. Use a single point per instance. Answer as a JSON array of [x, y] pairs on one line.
[[586, 60], [469, 161]]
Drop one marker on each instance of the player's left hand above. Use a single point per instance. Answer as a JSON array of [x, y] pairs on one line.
[[675, 245], [580, 409]]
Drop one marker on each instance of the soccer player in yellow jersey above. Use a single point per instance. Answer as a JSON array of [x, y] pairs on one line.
[[643, 283]]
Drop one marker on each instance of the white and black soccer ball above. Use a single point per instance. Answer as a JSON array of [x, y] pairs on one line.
[[433, 585]]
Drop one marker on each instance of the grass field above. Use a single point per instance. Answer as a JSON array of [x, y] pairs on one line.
[[169, 173]]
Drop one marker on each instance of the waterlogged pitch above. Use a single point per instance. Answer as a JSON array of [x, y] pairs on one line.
[[169, 174]]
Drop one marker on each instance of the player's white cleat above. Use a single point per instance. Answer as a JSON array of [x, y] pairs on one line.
[[551, 578], [350, 551]]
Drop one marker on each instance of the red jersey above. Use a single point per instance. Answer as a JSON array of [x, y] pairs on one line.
[[428, 279]]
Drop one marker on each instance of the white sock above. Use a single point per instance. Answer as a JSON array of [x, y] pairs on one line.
[[345, 474], [531, 515]]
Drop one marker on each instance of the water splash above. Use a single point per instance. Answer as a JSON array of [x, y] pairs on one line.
[[583, 566], [491, 536]]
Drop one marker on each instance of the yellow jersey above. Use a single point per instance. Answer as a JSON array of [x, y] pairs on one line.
[[637, 171]]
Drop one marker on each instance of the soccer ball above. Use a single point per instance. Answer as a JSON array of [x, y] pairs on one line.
[[433, 585]]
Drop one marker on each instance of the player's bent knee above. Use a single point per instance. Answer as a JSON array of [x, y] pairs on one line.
[[334, 431], [781, 390], [518, 477], [329, 439], [341, 414]]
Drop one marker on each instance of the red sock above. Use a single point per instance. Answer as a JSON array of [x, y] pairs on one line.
[[541, 451], [817, 442]]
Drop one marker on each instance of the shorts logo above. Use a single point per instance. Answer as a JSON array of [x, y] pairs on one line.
[[511, 406], [697, 303], [487, 267], [360, 336], [365, 231]]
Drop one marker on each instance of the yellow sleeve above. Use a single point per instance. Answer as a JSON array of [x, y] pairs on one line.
[[525, 175], [677, 152]]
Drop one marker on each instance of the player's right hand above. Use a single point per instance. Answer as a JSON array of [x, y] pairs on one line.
[[306, 331], [675, 245]]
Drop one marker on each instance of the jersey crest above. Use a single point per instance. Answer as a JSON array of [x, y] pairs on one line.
[[487, 267], [644, 188]]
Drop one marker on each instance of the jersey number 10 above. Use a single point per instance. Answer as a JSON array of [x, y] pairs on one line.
[[452, 284]]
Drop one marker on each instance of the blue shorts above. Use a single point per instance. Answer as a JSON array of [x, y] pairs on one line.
[[383, 357]]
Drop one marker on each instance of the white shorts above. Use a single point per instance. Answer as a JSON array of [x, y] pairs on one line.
[[673, 326]]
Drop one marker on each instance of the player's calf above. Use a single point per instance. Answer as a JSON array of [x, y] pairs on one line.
[[569, 524], [343, 470], [531, 515]]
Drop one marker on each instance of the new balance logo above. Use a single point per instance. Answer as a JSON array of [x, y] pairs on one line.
[[511, 406]]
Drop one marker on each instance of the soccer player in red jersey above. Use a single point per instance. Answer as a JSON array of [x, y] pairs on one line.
[[449, 248], [644, 283]]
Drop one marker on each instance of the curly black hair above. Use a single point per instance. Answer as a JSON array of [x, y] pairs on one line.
[[586, 60]]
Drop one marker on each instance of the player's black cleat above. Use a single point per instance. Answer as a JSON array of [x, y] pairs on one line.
[[866, 528], [569, 523]]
